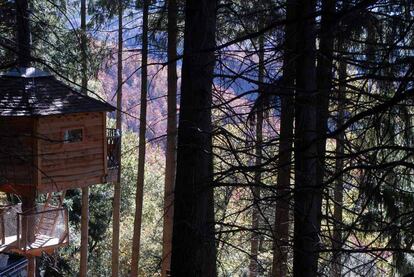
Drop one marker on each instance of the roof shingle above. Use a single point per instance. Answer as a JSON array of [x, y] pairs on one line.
[[42, 94]]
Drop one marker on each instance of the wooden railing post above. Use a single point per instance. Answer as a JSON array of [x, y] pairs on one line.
[[18, 231]]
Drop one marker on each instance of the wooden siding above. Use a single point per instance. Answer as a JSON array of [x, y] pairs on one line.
[[71, 165], [17, 155]]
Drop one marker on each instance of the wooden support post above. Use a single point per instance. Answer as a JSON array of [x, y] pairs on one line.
[[28, 207], [3, 229], [18, 230], [31, 266], [84, 232], [28, 236]]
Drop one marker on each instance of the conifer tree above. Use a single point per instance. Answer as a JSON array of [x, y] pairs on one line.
[[193, 249]]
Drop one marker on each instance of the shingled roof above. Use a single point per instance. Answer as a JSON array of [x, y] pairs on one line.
[[32, 92]]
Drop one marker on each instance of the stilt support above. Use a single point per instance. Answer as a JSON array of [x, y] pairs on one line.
[[116, 229], [84, 232]]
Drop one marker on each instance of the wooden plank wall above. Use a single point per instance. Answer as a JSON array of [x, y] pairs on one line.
[[17, 167], [71, 165]]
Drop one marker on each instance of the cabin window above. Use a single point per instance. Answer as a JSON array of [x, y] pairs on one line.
[[73, 135]]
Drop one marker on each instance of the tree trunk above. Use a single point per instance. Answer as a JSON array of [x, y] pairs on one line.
[[117, 185], [83, 272], [23, 33], [170, 160], [84, 62], [281, 228], [193, 249], [254, 241], [85, 191], [136, 240], [324, 82], [339, 165], [307, 196]]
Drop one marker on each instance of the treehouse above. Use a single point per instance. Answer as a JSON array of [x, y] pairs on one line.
[[53, 138]]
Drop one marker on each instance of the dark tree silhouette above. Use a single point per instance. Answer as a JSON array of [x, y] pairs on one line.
[[193, 251]]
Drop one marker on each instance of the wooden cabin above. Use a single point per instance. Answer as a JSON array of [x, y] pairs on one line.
[[53, 138]]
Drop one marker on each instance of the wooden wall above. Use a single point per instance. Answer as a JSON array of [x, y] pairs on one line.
[[17, 165], [72, 165]]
